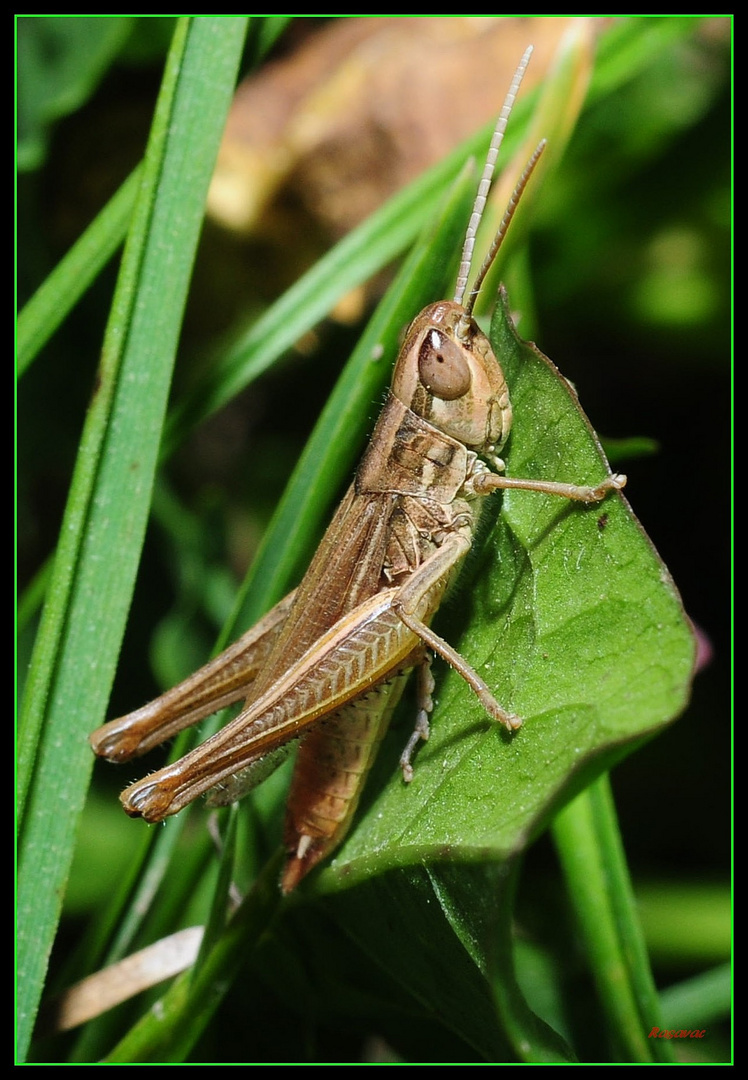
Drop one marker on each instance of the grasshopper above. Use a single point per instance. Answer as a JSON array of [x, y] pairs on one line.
[[329, 662]]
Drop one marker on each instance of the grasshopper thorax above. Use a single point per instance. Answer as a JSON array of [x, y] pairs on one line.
[[448, 375]]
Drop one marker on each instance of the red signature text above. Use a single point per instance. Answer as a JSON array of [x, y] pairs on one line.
[[682, 1033]]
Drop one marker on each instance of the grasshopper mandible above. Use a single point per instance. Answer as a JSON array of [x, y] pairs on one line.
[[329, 662]]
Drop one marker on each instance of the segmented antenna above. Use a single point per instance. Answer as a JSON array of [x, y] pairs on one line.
[[480, 202], [485, 181], [502, 229]]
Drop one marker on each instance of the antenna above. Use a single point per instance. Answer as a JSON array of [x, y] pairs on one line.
[[485, 182], [502, 229], [480, 201]]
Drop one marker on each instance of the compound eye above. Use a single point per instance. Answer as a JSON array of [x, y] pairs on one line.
[[443, 369]]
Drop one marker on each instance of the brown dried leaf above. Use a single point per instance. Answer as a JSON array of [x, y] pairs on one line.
[[360, 109]]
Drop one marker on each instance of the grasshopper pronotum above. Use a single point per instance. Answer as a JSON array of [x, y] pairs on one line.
[[339, 648]]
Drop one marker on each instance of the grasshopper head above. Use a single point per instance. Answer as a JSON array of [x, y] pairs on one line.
[[448, 375]]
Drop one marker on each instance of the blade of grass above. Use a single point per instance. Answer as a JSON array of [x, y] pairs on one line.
[[263, 34], [630, 47], [67, 283], [104, 524], [167, 1033], [703, 999], [594, 864], [698, 911]]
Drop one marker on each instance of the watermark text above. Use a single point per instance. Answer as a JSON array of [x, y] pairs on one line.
[[677, 1033]]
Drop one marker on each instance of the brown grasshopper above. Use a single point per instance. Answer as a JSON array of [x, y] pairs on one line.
[[329, 662]]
